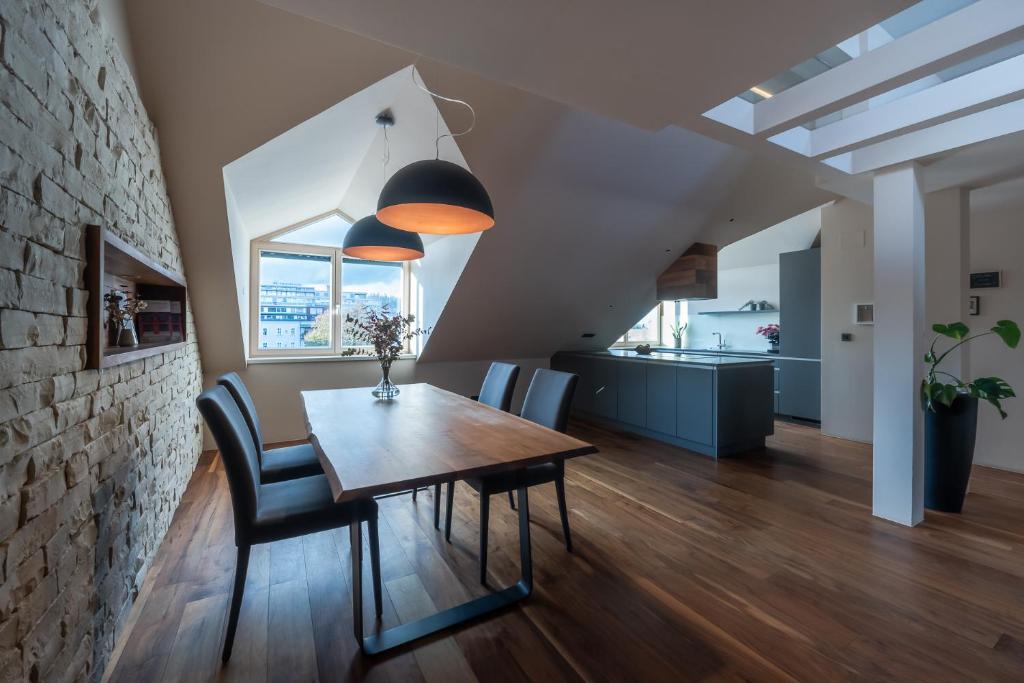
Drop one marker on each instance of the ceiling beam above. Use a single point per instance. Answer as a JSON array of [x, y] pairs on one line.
[[982, 89], [1005, 119], [966, 33]]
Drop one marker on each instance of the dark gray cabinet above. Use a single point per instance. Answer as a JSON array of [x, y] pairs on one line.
[[605, 387], [661, 399], [695, 404], [800, 388], [698, 406], [776, 384], [632, 393], [800, 303]]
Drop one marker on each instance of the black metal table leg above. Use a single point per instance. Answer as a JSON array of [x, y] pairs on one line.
[[382, 641]]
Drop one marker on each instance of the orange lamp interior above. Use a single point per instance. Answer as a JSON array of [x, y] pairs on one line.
[[435, 219], [383, 253]]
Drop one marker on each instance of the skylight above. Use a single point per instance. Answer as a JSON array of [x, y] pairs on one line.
[[909, 20], [970, 66], [940, 75]]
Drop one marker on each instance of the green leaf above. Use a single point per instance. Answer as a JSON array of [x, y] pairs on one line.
[[953, 330], [1009, 332], [929, 357], [998, 405], [947, 394], [929, 392]]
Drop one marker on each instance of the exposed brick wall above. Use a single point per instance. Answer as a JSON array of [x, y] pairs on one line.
[[92, 463]]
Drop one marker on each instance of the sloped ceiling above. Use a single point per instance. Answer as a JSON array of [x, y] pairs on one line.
[[648, 62], [590, 209], [763, 248]]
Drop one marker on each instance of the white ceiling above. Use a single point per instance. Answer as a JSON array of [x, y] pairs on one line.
[[763, 248], [335, 160]]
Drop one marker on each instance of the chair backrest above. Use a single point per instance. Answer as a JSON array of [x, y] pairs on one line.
[[236, 387], [549, 397], [237, 451], [499, 384]]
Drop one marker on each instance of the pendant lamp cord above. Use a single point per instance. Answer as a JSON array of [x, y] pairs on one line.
[[437, 123]]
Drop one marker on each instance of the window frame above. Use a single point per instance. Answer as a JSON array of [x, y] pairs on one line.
[[626, 342], [336, 349]]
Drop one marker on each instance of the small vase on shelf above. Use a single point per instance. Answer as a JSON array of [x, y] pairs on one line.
[[126, 336], [385, 390]]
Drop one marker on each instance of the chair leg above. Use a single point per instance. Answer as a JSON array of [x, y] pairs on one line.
[[414, 494], [241, 566], [449, 503], [511, 500], [437, 506], [371, 526], [560, 491], [485, 501]]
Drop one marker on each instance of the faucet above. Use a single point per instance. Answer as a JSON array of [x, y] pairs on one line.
[[720, 345]]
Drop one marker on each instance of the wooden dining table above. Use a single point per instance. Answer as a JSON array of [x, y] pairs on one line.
[[370, 447]]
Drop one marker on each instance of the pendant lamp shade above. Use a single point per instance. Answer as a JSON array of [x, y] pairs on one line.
[[370, 239], [435, 197]]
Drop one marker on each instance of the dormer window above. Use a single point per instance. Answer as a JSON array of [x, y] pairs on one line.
[[305, 287]]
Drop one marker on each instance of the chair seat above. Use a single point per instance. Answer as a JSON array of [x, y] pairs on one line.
[[304, 506], [289, 462], [510, 481]]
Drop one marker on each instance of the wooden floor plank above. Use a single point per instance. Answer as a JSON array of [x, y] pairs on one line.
[[291, 647], [195, 655], [767, 566]]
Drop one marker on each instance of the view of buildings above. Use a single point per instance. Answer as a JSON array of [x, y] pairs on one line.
[[289, 313]]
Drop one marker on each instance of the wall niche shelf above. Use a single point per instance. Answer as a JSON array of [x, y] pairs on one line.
[[769, 310], [113, 264]]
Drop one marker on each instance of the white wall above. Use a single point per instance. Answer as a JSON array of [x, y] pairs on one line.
[[736, 286], [847, 265], [997, 243], [749, 269], [275, 387]]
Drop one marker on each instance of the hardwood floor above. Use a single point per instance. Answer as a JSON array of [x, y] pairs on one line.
[[768, 566]]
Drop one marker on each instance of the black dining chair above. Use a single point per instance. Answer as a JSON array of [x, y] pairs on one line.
[[272, 512], [276, 464], [547, 403], [496, 391]]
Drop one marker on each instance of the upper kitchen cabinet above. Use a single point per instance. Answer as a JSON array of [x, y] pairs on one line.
[[800, 304]]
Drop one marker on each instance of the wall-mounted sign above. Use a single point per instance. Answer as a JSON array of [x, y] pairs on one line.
[[985, 280], [864, 314]]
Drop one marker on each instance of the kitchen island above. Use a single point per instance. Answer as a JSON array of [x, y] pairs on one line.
[[715, 405]]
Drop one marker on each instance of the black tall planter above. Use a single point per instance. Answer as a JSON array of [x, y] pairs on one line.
[[948, 453]]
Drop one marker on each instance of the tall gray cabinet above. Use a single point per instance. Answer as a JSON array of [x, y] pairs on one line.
[[800, 337]]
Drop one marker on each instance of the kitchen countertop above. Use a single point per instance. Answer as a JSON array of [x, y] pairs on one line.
[[675, 357], [731, 352]]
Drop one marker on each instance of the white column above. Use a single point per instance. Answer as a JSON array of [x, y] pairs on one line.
[[899, 312], [947, 258]]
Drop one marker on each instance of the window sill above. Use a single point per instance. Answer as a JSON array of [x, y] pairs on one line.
[[264, 360]]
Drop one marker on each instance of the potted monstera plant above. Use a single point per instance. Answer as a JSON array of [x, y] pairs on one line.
[[951, 415]]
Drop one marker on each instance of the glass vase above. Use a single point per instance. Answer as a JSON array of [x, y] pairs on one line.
[[386, 389], [126, 335]]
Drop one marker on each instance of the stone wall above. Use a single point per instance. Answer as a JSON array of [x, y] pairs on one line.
[[92, 463]]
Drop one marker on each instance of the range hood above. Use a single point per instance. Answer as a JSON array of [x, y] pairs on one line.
[[693, 277]]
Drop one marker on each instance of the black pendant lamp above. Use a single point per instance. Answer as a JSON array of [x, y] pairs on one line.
[[370, 239], [435, 196]]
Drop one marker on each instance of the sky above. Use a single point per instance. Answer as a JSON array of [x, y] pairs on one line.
[[359, 277]]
